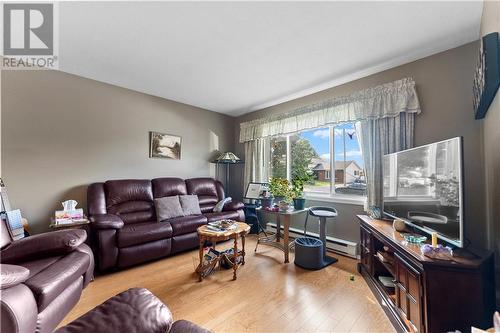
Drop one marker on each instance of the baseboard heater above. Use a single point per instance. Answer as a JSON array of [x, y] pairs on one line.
[[340, 246]]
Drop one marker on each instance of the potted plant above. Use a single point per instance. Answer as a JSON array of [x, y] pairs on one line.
[[280, 189], [301, 175], [297, 192]]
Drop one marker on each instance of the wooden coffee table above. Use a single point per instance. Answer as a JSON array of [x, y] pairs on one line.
[[207, 235]]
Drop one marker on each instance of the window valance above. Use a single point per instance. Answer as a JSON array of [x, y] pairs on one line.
[[387, 100]]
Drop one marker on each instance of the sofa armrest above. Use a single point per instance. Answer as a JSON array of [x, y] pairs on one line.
[[43, 245], [19, 311], [12, 275], [184, 326], [233, 205], [106, 221]]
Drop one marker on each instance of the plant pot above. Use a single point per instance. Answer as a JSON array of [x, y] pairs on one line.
[[284, 206], [266, 202], [299, 203], [278, 199]]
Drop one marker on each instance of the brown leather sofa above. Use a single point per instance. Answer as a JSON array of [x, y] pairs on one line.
[[124, 227], [42, 278], [134, 310]]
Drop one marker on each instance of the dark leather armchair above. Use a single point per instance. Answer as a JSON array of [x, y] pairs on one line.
[[134, 310], [42, 277], [124, 226]]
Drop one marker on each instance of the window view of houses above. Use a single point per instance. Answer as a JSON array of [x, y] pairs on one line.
[[309, 153]]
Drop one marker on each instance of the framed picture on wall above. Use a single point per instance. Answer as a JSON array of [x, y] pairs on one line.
[[164, 146], [487, 75]]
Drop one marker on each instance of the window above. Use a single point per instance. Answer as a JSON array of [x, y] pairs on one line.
[[278, 161], [331, 156]]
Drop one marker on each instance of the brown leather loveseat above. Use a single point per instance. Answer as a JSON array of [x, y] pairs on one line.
[[124, 227]]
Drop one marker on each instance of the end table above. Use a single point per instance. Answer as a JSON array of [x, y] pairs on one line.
[[207, 235]]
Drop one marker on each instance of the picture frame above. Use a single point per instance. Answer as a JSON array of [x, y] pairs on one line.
[[487, 76], [166, 146], [256, 190]]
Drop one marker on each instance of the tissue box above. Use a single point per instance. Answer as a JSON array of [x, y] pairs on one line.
[[67, 216]]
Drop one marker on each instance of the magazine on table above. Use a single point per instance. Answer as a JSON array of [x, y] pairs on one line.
[[221, 226]]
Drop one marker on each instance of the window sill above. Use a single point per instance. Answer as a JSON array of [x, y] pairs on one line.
[[351, 200]]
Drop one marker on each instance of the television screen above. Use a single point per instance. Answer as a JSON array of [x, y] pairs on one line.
[[423, 186]]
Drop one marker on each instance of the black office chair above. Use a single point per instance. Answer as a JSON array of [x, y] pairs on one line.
[[306, 254]]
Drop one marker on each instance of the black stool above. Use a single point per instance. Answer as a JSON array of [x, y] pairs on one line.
[[323, 213]]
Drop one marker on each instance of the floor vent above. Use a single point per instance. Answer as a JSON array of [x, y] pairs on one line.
[[341, 246]]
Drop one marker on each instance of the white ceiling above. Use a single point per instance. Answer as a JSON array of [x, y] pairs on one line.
[[236, 57]]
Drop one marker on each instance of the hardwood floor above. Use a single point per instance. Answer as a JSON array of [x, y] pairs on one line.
[[268, 296]]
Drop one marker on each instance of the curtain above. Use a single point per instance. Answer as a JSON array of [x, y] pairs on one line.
[[384, 117], [384, 101], [256, 162], [378, 137]]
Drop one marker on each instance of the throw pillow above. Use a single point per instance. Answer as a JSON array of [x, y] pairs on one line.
[[220, 205], [190, 204], [168, 208]]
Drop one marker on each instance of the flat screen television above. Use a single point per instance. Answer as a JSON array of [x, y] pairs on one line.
[[424, 187]]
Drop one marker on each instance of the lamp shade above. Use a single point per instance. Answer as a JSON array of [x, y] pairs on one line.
[[227, 157]]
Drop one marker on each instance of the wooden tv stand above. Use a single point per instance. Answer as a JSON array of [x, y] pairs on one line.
[[429, 295]]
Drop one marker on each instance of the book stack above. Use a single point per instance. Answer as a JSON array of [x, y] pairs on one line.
[[15, 223]]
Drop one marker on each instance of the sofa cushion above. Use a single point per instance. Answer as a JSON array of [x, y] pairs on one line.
[[136, 254], [12, 275], [185, 242], [36, 266], [202, 187], [207, 208], [134, 211], [130, 199], [53, 280], [119, 191], [140, 233], [207, 191], [208, 200], [168, 207], [190, 204], [233, 205], [167, 187], [231, 215], [221, 204], [186, 224]]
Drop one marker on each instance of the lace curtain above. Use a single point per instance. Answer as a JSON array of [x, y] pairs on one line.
[[387, 100]]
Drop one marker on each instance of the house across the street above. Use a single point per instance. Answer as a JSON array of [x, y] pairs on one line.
[[322, 171]]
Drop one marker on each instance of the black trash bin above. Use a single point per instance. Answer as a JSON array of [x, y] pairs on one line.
[[309, 253]]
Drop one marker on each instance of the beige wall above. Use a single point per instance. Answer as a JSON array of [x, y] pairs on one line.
[[444, 85], [61, 132], [491, 135]]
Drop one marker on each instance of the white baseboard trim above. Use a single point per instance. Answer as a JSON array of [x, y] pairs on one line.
[[337, 245]]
